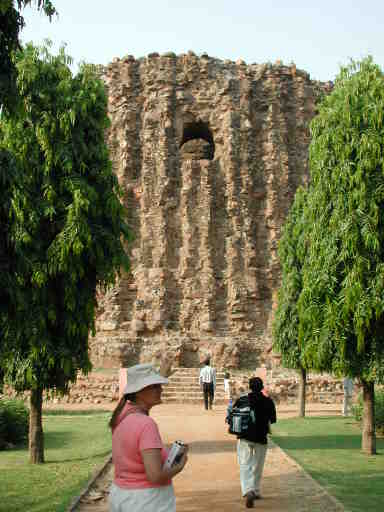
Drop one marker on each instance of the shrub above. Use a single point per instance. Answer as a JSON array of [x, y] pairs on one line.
[[357, 410], [14, 422]]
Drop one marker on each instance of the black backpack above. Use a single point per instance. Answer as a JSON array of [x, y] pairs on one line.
[[240, 417]]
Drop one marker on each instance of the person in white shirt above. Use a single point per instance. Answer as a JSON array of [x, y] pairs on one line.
[[207, 380], [227, 386], [347, 398]]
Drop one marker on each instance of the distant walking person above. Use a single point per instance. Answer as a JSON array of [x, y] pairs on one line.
[[207, 380], [252, 446], [347, 398], [227, 386]]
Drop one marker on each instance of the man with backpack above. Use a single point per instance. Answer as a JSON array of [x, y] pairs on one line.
[[250, 419]]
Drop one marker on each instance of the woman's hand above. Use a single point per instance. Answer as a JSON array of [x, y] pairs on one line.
[[154, 466]]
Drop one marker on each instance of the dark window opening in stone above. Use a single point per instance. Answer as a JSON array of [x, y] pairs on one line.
[[197, 143]]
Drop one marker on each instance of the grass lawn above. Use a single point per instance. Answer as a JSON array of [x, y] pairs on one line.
[[76, 445], [329, 449]]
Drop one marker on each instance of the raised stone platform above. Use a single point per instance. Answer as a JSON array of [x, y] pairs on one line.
[[102, 387]]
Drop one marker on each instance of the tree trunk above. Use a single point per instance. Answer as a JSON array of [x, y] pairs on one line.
[[302, 392], [36, 436], [368, 444]]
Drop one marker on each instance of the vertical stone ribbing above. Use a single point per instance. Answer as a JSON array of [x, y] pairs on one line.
[[236, 296], [275, 159], [189, 254], [207, 311], [171, 198], [204, 260], [217, 236], [258, 258], [248, 164]]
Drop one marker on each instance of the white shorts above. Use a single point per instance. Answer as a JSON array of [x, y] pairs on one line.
[[152, 499]]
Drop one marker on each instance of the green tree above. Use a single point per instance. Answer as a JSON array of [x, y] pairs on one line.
[[11, 23], [341, 307], [67, 226], [286, 320], [8, 281]]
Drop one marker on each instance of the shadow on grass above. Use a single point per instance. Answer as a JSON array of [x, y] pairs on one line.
[[212, 446], [19, 447], [69, 412], [55, 439], [317, 433], [104, 454], [317, 442]]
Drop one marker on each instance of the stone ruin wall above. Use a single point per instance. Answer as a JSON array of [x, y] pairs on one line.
[[209, 154]]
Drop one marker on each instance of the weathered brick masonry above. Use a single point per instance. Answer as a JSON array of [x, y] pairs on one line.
[[209, 154]]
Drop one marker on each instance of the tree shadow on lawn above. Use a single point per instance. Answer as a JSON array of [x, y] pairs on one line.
[[54, 439], [65, 440], [104, 453], [326, 440], [212, 446], [73, 412], [317, 442]]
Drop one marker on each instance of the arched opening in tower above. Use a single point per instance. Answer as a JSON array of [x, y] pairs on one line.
[[197, 142]]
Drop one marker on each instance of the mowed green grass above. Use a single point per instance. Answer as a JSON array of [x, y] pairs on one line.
[[76, 445], [329, 449]]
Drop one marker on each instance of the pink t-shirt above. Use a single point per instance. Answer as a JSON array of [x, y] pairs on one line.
[[135, 433]]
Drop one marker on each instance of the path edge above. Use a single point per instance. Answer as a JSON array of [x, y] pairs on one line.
[[335, 501], [97, 474]]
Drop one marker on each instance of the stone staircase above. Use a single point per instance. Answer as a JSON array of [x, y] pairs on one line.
[[184, 387]]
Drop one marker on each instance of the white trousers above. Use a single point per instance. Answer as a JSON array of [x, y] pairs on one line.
[[153, 499], [251, 458]]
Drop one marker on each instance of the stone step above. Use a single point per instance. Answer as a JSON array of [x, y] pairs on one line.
[[189, 400], [182, 386], [191, 380], [195, 374], [194, 371], [189, 375], [185, 386], [187, 393], [195, 394]]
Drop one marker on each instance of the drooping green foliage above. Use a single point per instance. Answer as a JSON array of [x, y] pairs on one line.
[[291, 255], [8, 277], [11, 23], [67, 223], [341, 307]]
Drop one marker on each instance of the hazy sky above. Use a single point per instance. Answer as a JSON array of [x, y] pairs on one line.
[[318, 35]]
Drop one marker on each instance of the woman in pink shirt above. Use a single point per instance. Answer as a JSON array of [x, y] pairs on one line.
[[141, 483]]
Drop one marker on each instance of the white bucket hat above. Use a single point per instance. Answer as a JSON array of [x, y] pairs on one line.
[[140, 376]]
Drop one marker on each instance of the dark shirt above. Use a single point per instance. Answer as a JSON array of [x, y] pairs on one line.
[[265, 414]]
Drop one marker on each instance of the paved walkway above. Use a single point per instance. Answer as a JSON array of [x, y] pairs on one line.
[[210, 481]]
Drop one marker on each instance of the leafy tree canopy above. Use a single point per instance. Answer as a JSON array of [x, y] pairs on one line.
[[11, 23], [341, 307], [66, 221], [291, 255]]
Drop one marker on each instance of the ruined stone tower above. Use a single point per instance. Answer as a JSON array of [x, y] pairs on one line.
[[209, 154]]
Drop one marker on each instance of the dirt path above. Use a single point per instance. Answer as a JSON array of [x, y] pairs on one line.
[[210, 481]]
